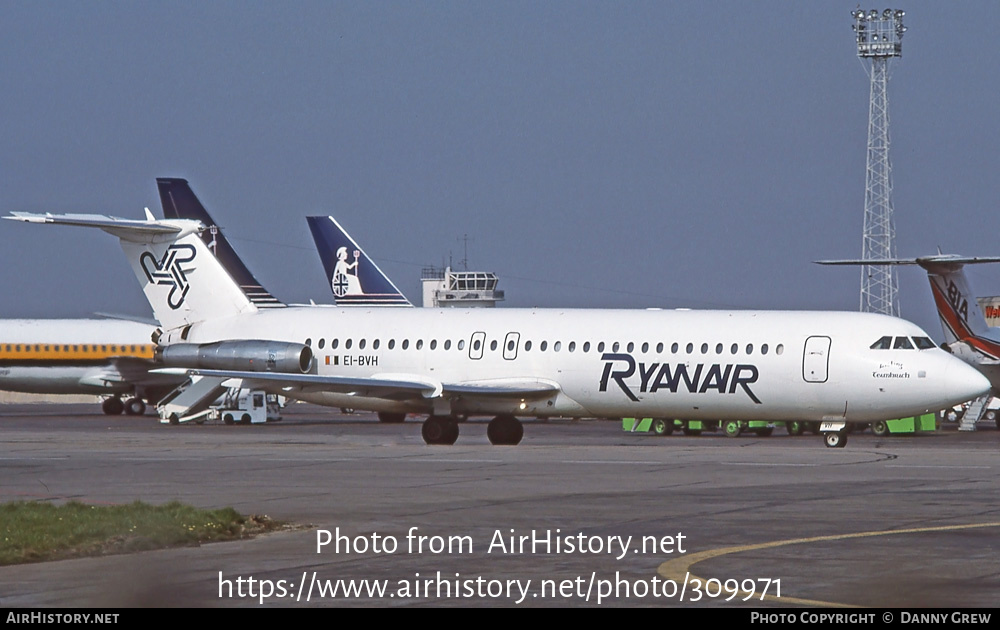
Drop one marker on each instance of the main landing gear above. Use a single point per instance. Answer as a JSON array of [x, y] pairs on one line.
[[440, 430], [502, 430], [505, 430], [113, 406], [132, 407]]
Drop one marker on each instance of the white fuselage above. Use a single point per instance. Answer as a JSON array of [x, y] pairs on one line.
[[69, 356], [763, 365]]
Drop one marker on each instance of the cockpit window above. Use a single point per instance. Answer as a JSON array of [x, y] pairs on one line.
[[902, 343], [923, 343], [882, 344]]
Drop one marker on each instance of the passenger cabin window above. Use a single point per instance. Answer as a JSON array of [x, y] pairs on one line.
[[882, 344], [902, 343]]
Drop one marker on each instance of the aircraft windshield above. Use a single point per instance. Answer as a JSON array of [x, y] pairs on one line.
[[882, 344], [902, 343]]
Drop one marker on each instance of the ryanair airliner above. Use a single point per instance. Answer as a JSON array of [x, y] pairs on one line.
[[449, 363]]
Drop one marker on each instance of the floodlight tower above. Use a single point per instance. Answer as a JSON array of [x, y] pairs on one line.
[[879, 38]]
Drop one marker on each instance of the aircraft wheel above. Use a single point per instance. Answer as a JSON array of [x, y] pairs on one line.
[[795, 428], [452, 435], [835, 439], [228, 418], [391, 418], [880, 428], [505, 430], [113, 406], [439, 430], [732, 428], [662, 426], [135, 407]]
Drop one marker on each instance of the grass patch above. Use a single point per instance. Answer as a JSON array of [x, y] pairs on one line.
[[33, 532]]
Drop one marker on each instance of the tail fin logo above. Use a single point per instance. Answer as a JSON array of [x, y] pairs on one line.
[[344, 282], [168, 271], [958, 301]]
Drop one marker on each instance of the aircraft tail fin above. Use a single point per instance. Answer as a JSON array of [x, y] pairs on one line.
[[180, 277], [180, 202], [354, 283]]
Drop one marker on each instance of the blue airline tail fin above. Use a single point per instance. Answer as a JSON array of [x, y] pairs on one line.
[[180, 202], [357, 283]]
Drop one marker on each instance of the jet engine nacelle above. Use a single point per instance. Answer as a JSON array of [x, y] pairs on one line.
[[251, 355]]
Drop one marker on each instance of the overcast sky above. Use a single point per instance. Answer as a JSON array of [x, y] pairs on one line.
[[596, 154]]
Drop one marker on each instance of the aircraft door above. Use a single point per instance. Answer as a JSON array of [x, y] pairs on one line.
[[476, 345], [510, 346], [816, 360]]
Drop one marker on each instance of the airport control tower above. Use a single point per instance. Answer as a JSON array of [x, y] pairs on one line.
[[879, 38]]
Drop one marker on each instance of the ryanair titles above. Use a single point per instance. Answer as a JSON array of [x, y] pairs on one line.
[[623, 370]]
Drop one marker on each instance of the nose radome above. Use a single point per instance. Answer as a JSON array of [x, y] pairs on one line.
[[964, 382]]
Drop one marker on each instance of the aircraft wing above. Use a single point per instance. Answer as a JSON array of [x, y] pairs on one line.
[[389, 386], [142, 372]]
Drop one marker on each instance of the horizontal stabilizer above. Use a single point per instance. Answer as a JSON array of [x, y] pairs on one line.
[[126, 229], [180, 277], [953, 261]]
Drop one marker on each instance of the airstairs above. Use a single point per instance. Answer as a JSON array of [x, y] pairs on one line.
[[191, 401]]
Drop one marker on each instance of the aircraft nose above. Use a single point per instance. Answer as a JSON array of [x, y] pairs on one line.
[[963, 382]]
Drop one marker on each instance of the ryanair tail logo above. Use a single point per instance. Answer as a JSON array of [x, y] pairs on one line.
[[724, 379], [168, 271]]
